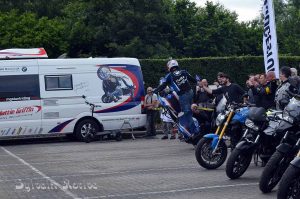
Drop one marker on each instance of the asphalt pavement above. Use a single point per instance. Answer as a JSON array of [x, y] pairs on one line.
[[131, 169]]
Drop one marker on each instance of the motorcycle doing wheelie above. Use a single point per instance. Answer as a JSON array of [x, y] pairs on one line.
[[211, 151], [171, 107], [289, 186], [259, 140], [288, 148]]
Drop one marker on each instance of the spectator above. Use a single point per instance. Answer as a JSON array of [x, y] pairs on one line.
[[202, 117], [166, 119], [265, 93], [233, 91], [282, 96], [271, 76], [216, 83], [294, 72], [201, 96], [252, 83], [294, 79], [167, 125], [256, 76], [150, 104]]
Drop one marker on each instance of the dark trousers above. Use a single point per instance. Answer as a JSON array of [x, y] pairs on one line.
[[150, 125]]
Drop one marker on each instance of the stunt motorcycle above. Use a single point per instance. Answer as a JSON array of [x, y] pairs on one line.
[[211, 151], [171, 107]]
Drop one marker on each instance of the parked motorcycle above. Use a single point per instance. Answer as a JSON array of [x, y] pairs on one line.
[[259, 141], [286, 151], [289, 186], [211, 151]]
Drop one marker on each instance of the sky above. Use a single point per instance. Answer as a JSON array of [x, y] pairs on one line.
[[247, 10]]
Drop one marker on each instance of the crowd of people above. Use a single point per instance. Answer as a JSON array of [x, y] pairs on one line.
[[262, 90]]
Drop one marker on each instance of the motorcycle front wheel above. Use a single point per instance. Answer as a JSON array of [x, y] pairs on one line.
[[205, 156], [237, 163], [289, 187], [273, 172], [106, 98]]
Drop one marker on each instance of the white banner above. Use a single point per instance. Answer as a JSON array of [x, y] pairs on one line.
[[270, 39]]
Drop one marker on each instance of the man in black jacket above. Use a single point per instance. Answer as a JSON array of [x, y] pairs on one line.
[[233, 91], [265, 92]]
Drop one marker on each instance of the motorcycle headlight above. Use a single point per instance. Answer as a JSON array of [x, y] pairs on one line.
[[250, 124], [220, 119], [288, 118]]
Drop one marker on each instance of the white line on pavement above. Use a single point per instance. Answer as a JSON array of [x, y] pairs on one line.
[[89, 151], [39, 163], [41, 174], [171, 191], [103, 158], [180, 167]]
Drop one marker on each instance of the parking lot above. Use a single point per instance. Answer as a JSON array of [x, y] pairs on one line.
[[141, 168]]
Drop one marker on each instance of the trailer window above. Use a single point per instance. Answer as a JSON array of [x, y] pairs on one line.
[[58, 82], [19, 87]]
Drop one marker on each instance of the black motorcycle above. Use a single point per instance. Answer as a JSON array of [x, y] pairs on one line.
[[259, 141], [286, 151], [289, 186]]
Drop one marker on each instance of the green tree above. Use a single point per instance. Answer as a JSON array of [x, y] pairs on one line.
[[131, 28], [49, 8], [28, 31], [287, 14]]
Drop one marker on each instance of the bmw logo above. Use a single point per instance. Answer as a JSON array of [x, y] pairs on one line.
[[24, 69]]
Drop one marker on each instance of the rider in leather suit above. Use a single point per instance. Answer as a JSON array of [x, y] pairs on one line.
[[179, 81]]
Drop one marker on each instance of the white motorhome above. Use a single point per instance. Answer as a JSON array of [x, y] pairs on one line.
[[44, 96]]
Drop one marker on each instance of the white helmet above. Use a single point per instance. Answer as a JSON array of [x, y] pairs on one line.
[[172, 63]]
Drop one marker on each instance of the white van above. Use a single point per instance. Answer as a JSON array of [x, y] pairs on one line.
[[44, 96]]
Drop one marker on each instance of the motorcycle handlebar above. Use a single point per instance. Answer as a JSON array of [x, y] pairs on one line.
[[89, 103], [239, 105]]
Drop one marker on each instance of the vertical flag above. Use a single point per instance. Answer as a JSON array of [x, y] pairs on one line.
[[270, 39]]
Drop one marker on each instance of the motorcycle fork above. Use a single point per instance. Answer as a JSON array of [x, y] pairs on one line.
[[218, 129], [223, 130], [245, 133]]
